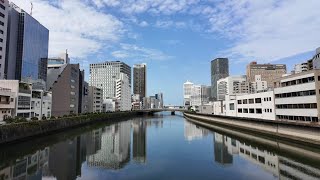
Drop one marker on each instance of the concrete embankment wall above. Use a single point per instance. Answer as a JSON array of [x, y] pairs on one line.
[[296, 132], [18, 132]]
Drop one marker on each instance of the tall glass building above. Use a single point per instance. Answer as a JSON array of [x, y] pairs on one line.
[[27, 51], [219, 69]]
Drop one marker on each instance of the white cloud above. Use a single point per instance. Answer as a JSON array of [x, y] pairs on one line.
[[142, 6], [76, 26], [170, 24], [143, 24], [134, 52], [266, 30]]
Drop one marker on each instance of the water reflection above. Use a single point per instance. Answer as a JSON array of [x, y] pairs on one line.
[[193, 132], [110, 148]]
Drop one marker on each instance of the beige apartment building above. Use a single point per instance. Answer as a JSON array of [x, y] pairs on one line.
[[268, 72]]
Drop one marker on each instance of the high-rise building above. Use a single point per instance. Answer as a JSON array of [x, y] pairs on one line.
[[268, 72], [219, 69], [228, 86], [140, 80], [64, 82], [205, 94], [123, 93], [4, 9], [187, 92], [27, 47], [104, 76]]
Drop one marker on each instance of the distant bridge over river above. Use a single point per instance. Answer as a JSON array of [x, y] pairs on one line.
[[168, 109]]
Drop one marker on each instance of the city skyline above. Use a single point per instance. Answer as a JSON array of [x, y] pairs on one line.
[[186, 37]]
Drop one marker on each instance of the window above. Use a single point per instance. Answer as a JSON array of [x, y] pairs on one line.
[[239, 102], [2, 7], [231, 106], [259, 111], [245, 110], [251, 110], [1, 31], [1, 14], [251, 101], [239, 110], [258, 100], [245, 101], [1, 23]]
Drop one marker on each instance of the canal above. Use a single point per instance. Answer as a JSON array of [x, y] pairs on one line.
[[157, 147]]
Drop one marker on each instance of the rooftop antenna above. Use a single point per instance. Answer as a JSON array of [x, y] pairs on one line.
[[31, 8]]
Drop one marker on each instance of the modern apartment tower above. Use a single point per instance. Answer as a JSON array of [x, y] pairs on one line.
[[4, 9], [268, 72], [104, 76], [219, 69], [140, 80], [27, 47]]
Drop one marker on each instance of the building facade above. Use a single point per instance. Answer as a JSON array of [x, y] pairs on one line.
[[187, 92], [95, 99], [316, 59], [64, 83], [104, 76], [7, 103], [41, 104], [4, 9], [27, 47], [123, 92], [268, 72], [140, 80], [230, 86], [219, 70], [258, 105], [297, 97]]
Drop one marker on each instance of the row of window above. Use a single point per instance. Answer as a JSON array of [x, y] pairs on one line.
[[296, 94], [253, 101], [4, 112], [1, 14], [298, 118], [250, 110], [297, 106], [299, 81]]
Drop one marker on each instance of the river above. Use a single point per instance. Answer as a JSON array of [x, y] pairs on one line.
[[156, 147]]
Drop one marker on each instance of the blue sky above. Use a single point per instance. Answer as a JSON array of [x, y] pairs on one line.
[[178, 38]]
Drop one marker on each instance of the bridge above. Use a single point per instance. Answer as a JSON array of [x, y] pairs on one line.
[[152, 111]]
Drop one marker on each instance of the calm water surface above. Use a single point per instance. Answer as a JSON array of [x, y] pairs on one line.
[[158, 147]]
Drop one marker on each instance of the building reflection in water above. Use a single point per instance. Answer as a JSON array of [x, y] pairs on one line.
[[109, 148], [115, 147], [283, 168], [28, 167], [139, 140], [192, 132]]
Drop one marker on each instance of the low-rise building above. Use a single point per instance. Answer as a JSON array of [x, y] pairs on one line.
[[109, 105], [297, 97], [7, 103], [41, 104], [95, 99], [258, 105]]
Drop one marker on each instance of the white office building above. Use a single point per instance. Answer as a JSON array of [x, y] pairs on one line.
[[104, 76], [187, 92], [297, 97], [228, 85], [196, 95], [4, 9], [298, 68], [123, 92], [258, 105]]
